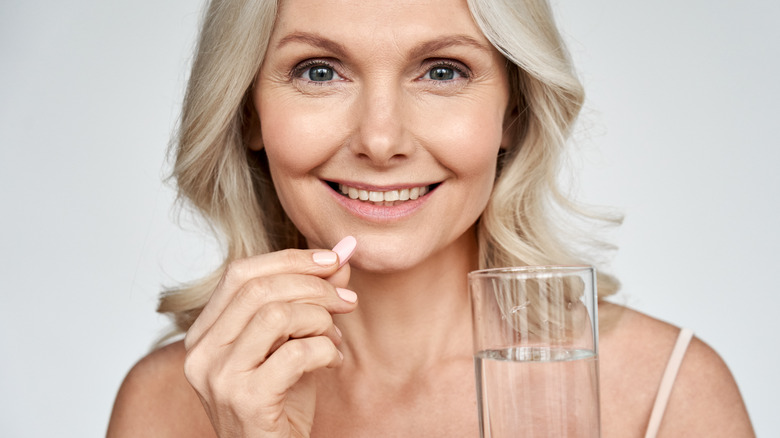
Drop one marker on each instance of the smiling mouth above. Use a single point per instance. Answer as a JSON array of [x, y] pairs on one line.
[[387, 198]]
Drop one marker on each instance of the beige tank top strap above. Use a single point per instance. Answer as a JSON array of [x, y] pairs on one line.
[[667, 382]]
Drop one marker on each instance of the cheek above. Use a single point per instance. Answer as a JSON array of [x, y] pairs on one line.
[[468, 146], [296, 140], [297, 137], [467, 142]]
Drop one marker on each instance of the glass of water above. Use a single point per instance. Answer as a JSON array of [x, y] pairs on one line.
[[536, 351]]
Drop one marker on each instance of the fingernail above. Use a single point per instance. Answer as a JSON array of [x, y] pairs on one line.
[[345, 249], [325, 258], [346, 295], [338, 332]]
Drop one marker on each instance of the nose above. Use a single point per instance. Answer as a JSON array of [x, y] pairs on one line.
[[381, 135]]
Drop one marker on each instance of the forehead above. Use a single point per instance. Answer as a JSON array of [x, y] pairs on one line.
[[377, 22]]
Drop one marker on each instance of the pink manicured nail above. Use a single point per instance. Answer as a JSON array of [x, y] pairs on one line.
[[345, 249], [346, 295], [325, 258], [338, 332]]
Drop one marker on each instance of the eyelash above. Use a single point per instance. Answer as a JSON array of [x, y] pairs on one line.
[[459, 68], [298, 70]]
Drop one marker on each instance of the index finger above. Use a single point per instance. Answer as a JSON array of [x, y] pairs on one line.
[[320, 263]]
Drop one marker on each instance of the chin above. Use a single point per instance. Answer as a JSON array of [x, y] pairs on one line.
[[381, 267], [388, 256], [387, 259]]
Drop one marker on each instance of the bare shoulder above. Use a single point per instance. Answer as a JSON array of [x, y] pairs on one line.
[[705, 400], [155, 399], [635, 350]]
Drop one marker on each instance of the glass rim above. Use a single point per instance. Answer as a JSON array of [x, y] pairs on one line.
[[531, 270]]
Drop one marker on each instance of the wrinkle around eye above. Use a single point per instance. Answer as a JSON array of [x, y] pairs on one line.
[[303, 72], [330, 76], [454, 70]]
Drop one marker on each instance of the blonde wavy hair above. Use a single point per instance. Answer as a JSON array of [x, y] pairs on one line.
[[230, 186]]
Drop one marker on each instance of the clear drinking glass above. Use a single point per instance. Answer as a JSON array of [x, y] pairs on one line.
[[536, 351]]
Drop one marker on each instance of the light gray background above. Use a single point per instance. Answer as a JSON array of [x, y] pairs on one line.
[[679, 133]]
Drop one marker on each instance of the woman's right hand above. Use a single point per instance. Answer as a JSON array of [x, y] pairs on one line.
[[267, 326]]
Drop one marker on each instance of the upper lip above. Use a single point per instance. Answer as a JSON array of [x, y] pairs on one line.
[[380, 188]]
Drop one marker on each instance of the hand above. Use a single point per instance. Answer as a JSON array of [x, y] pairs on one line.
[[266, 327]]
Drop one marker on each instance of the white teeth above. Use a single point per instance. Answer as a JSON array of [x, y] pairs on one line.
[[383, 198]]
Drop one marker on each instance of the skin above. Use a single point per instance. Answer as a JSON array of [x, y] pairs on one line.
[[414, 96], [381, 124]]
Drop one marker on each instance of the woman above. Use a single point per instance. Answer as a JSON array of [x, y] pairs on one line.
[[420, 141]]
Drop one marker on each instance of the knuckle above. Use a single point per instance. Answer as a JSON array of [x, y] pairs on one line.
[[322, 318], [193, 336], [291, 257], [274, 314], [326, 351], [254, 291], [194, 369], [209, 379], [235, 270], [221, 383], [301, 261], [189, 339], [309, 353], [295, 352], [324, 345]]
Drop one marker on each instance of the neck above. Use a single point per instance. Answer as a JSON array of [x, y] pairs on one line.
[[410, 320]]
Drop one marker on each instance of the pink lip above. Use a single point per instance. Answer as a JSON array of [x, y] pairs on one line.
[[379, 213]]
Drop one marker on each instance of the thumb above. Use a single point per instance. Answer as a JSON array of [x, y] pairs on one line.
[[341, 277]]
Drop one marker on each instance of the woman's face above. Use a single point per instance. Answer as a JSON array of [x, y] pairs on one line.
[[382, 120]]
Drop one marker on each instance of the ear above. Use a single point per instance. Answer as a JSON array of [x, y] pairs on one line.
[[253, 136]]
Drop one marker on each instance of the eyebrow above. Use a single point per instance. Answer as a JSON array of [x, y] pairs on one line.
[[314, 40], [418, 51], [436, 45]]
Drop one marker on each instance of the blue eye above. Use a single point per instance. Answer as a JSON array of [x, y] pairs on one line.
[[441, 74], [316, 71], [445, 72], [321, 73]]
